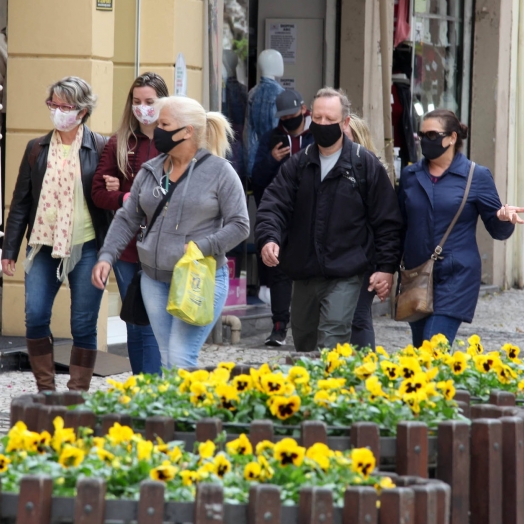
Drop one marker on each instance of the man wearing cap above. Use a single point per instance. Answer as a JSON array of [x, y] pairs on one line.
[[275, 147], [330, 215]]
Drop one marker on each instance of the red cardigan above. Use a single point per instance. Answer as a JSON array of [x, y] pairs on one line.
[[140, 150]]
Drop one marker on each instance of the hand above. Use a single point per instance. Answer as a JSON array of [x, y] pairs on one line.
[[100, 274], [509, 214], [8, 267], [112, 183], [270, 254], [126, 196], [279, 152], [381, 283]]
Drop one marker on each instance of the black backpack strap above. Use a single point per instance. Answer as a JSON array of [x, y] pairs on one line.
[[357, 164]]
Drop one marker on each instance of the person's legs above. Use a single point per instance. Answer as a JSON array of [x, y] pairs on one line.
[[178, 341], [41, 287], [280, 286], [142, 347], [155, 294], [338, 300], [85, 305], [362, 332], [417, 331], [186, 341], [443, 324], [305, 310]]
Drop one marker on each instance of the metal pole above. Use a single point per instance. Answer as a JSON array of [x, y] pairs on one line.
[[212, 16], [137, 39]]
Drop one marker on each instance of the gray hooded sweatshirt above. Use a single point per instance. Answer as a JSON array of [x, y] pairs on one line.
[[214, 216]]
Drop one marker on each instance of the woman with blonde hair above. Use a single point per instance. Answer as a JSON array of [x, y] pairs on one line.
[[204, 202], [126, 151]]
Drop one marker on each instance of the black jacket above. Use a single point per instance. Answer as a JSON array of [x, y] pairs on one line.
[[325, 228], [27, 194]]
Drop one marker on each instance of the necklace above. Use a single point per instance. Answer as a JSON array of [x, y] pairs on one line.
[[168, 173]]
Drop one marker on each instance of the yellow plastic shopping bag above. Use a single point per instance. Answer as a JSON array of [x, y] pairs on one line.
[[192, 290]]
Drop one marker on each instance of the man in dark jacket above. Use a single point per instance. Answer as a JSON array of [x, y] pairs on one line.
[[324, 227], [274, 148]]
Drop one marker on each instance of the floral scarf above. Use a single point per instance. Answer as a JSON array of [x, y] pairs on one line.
[[60, 195]]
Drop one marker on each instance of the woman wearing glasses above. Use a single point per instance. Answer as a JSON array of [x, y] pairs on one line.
[[126, 151], [52, 203], [430, 194]]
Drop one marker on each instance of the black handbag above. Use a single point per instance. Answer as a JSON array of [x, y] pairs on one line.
[[133, 309]]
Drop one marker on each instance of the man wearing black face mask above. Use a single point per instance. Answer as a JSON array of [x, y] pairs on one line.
[[274, 148], [325, 223]]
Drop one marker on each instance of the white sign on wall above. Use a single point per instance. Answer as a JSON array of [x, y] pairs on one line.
[[180, 75], [283, 38], [287, 83]]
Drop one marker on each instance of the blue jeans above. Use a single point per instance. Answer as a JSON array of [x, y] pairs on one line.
[[142, 348], [178, 341], [41, 287], [425, 328]]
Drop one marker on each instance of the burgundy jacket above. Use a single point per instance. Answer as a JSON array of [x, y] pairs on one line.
[[140, 150]]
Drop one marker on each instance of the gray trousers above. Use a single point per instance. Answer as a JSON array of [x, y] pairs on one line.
[[322, 310]]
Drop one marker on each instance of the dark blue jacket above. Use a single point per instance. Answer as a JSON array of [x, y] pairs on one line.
[[429, 208]]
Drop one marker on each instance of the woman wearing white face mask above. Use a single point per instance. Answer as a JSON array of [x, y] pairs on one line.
[[126, 151], [52, 202]]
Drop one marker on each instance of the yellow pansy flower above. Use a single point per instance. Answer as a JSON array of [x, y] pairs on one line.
[[287, 451], [71, 456], [252, 471], [164, 473], [240, 446], [206, 449], [365, 370], [362, 461]]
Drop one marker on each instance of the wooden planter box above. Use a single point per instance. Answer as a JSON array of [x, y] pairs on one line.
[[471, 458], [418, 501]]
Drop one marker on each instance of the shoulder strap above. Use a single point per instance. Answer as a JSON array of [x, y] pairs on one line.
[[438, 249], [357, 164], [35, 151], [167, 196]]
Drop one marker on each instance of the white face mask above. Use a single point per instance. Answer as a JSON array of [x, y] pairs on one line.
[[65, 121], [145, 114]]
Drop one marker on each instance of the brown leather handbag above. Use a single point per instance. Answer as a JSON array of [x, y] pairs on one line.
[[414, 299]]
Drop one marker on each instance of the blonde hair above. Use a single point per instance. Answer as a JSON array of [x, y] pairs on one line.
[[329, 92], [211, 130], [129, 123], [361, 133]]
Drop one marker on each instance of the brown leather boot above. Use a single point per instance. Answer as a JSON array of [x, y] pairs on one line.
[[40, 351], [81, 368]]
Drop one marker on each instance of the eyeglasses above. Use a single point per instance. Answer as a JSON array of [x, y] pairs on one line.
[[65, 108], [431, 135]]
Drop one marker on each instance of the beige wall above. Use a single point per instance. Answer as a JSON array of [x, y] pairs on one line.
[[490, 117], [44, 47]]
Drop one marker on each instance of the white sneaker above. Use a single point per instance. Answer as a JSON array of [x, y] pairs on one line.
[[264, 295]]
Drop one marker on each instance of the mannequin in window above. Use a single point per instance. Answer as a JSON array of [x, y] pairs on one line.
[[234, 105], [261, 106]]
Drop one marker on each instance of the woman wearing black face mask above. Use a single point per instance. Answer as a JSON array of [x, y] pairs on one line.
[[430, 194]]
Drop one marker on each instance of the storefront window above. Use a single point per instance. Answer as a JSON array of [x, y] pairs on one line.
[[438, 55]]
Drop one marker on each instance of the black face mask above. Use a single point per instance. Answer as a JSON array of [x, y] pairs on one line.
[[293, 123], [432, 149], [325, 135], [164, 139]]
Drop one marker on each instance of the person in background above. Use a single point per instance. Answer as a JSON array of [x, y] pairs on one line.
[[430, 193], [52, 202], [362, 333], [126, 151], [314, 223], [275, 147], [207, 206]]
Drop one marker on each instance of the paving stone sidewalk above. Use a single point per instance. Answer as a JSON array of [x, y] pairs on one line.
[[499, 319]]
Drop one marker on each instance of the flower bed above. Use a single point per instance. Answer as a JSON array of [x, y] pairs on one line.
[[107, 475], [124, 459]]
